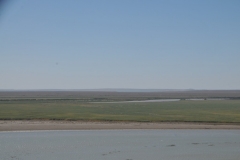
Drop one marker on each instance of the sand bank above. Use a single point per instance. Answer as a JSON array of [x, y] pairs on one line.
[[79, 125]]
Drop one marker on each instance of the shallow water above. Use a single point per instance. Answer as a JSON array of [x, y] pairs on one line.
[[143, 101], [121, 145]]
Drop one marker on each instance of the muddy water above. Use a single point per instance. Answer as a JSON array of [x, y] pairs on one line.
[[121, 145]]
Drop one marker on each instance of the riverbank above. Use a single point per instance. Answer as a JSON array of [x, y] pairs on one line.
[[80, 125]]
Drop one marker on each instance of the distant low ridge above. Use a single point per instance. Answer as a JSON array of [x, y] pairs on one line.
[[104, 90]]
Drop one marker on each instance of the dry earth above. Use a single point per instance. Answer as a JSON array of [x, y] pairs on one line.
[[79, 125]]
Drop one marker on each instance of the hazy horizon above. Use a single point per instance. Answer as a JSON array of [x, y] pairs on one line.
[[120, 44], [121, 89]]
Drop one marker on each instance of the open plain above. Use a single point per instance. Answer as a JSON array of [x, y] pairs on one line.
[[32, 110]]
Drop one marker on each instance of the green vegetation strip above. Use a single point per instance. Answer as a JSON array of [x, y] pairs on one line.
[[216, 111]]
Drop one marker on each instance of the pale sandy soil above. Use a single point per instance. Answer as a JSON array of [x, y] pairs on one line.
[[79, 125]]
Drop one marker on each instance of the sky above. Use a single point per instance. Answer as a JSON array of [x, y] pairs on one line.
[[141, 44]]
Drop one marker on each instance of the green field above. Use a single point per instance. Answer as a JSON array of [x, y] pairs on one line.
[[216, 111]]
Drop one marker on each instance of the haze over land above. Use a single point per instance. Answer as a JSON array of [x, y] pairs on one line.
[[120, 44]]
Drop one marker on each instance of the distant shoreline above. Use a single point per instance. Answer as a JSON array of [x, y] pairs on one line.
[[30, 125]]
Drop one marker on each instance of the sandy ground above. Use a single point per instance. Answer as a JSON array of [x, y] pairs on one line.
[[79, 125]]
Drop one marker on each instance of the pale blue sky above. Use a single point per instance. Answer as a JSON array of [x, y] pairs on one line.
[[154, 44]]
